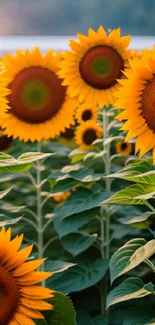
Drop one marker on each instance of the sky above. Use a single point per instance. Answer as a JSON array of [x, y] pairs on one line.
[[67, 17]]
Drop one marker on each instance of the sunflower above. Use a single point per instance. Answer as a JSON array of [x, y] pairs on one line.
[[86, 113], [61, 197], [5, 141], [90, 70], [21, 300], [4, 91], [136, 54], [39, 105], [137, 99], [123, 148], [86, 134]]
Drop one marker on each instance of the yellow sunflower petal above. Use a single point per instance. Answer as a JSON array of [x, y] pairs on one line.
[[36, 292], [36, 304], [27, 267], [30, 312], [23, 319]]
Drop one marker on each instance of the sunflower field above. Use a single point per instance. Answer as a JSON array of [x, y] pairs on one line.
[[77, 177]]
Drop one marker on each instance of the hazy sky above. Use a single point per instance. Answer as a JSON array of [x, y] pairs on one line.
[[62, 17]]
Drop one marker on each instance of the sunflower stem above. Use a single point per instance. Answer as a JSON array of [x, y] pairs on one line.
[[39, 211], [104, 212]]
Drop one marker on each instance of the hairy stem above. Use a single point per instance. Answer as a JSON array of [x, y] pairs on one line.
[[39, 211], [105, 214]]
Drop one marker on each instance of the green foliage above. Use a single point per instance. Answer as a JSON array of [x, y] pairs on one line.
[[63, 312], [139, 317], [131, 255], [76, 243], [131, 288], [83, 275]]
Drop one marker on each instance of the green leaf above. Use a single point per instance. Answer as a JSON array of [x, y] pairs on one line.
[[79, 201], [57, 266], [64, 185], [30, 157], [77, 155], [5, 221], [130, 255], [131, 288], [77, 243], [72, 223], [5, 192], [151, 322], [139, 172], [134, 194], [81, 276], [129, 220], [138, 316], [63, 313]]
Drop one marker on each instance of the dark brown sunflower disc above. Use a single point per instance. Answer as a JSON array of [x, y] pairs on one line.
[[87, 115], [89, 136], [36, 94], [101, 66], [148, 104], [9, 296]]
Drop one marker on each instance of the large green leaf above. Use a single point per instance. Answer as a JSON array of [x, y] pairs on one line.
[[63, 313], [131, 288], [138, 316], [79, 201], [57, 266], [72, 223], [134, 194], [64, 185], [76, 243], [29, 157], [130, 255], [140, 172], [79, 277], [129, 220]]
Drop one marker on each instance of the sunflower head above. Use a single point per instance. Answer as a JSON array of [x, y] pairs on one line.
[[93, 65], [20, 299], [123, 148], [86, 134], [136, 97], [40, 107], [86, 113]]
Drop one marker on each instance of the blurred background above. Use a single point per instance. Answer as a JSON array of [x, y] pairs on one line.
[[50, 23], [66, 17]]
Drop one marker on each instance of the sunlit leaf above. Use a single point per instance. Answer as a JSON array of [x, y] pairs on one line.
[[130, 255], [131, 288]]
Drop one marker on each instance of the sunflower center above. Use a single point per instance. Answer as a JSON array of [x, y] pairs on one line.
[[9, 296], [87, 115], [124, 146], [36, 94], [5, 142], [101, 66], [148, 104], [89, 136]]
